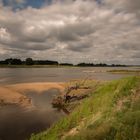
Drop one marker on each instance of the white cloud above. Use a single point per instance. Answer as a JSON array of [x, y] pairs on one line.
[[73, 31]]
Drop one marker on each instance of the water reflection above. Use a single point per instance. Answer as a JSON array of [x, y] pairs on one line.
[[17, 123]]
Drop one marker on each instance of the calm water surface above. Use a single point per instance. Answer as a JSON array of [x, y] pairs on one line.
[[23, 75]]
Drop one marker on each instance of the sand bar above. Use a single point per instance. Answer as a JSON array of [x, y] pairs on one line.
[[17, 93]]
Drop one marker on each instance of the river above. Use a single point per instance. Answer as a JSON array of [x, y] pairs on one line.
[[24, 75]]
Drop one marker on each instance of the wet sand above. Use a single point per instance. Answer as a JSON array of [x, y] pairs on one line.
[[16, 94], [9, 96]]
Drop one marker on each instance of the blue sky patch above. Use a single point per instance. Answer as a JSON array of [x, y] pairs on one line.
[[33, 3]]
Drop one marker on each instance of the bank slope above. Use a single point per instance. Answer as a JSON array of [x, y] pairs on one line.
[[111, 113]]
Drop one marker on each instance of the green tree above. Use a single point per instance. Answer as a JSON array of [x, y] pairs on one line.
[[29, 61]]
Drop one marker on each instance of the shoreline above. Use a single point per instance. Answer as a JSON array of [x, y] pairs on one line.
[[16, 93], [64, 66]]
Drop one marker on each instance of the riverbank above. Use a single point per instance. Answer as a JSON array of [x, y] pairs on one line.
[[111, 112]]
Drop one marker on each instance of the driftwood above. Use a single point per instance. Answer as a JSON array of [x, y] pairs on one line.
[[76, 87], [61, 101]]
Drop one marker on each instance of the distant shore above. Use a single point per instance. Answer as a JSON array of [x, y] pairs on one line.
[[34, 66], [58, 66]]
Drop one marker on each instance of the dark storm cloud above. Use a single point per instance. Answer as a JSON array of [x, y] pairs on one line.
[[70, 30]]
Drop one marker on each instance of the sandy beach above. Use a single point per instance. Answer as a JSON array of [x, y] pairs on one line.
[[16, 93]]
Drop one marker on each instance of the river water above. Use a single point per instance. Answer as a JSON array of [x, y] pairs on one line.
[[25, 75], [16, 123]]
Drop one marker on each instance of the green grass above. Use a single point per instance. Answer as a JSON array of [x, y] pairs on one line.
[[111, 113], [124, 71]]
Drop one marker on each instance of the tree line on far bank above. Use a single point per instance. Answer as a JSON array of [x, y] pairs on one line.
[[30, 61]]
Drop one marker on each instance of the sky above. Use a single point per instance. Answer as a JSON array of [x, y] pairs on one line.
[[73, 31]]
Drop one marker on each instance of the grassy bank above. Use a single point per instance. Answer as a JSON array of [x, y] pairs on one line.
[[111, 113]]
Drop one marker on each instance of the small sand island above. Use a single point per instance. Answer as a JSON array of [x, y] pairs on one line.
[[16, 94]]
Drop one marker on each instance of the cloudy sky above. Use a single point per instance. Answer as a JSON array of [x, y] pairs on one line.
[[71, 30]]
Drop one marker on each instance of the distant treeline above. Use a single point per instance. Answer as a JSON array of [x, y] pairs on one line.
[[98, 65], [30, 61]]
